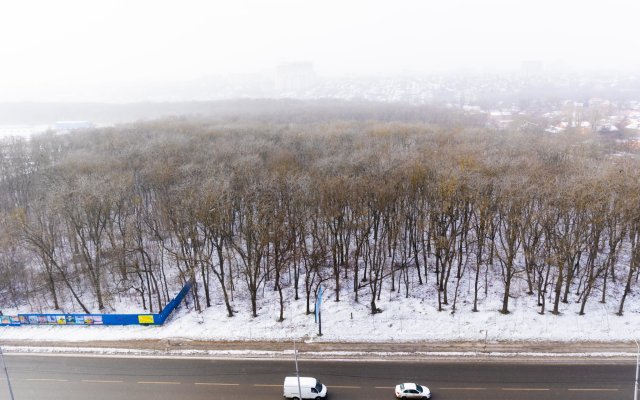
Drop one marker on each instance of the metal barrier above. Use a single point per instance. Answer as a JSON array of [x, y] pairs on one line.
[[97, 319]]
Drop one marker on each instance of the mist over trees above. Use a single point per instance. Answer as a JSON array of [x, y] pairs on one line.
[[411, 199], [230, 111]]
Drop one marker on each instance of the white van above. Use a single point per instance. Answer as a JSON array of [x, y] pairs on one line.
[[311, 388]]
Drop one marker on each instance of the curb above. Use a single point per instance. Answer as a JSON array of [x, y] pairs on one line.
[[417, 356]]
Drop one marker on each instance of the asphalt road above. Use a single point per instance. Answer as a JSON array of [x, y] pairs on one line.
[[74, 378]]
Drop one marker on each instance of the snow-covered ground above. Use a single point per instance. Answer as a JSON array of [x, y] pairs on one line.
[[402, 320], [23, 131]]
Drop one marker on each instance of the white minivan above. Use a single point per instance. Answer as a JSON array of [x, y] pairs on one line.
[[311, 388]]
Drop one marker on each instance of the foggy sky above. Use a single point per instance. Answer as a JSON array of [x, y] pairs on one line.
[[86, 47]]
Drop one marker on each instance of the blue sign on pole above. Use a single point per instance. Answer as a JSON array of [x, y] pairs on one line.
[[318, 302]]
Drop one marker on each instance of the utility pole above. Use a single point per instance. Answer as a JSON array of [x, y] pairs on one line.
[[635, 389], [295, 357], [319, 322], [9, 382]]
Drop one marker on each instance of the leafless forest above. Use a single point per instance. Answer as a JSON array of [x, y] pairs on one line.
[[254, 201]]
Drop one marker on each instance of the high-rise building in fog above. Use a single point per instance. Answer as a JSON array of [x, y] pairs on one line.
[[294, 77]]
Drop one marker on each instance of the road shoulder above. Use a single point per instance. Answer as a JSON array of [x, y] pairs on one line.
[[315, 349]]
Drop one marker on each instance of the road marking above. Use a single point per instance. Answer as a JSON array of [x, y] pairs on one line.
[[346, 387], [159, 383], [217, 384], [462, 388], [96, 381], [384, 387], [258, 385], [526, 389], [46, 380], [595, 390]]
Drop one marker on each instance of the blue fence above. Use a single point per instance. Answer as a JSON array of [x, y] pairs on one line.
[[164, 314], [97, 319]]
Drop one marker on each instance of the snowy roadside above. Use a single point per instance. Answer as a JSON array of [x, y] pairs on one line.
[[408, 328], [404, 320]]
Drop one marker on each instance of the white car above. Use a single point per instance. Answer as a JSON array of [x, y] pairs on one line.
[[412, 391], [304, 388]]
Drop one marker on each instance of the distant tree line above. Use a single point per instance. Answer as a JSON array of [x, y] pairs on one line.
[[361, 206]]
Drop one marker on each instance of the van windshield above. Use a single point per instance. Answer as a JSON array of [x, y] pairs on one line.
[[318, 386]]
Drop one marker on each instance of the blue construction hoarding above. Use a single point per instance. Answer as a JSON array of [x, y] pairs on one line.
[[97, 319]]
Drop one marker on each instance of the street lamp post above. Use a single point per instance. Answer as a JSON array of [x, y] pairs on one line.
[[295, 356], [635, 388], [6, 373]]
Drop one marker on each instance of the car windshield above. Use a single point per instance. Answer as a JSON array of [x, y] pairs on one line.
[[402, 386], [318, 386], [419, 388]]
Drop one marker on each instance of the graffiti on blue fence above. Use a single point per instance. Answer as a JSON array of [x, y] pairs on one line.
[[98, 319], [12, 320]]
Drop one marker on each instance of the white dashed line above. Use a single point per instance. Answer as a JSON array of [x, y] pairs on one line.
[[217, 384]]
